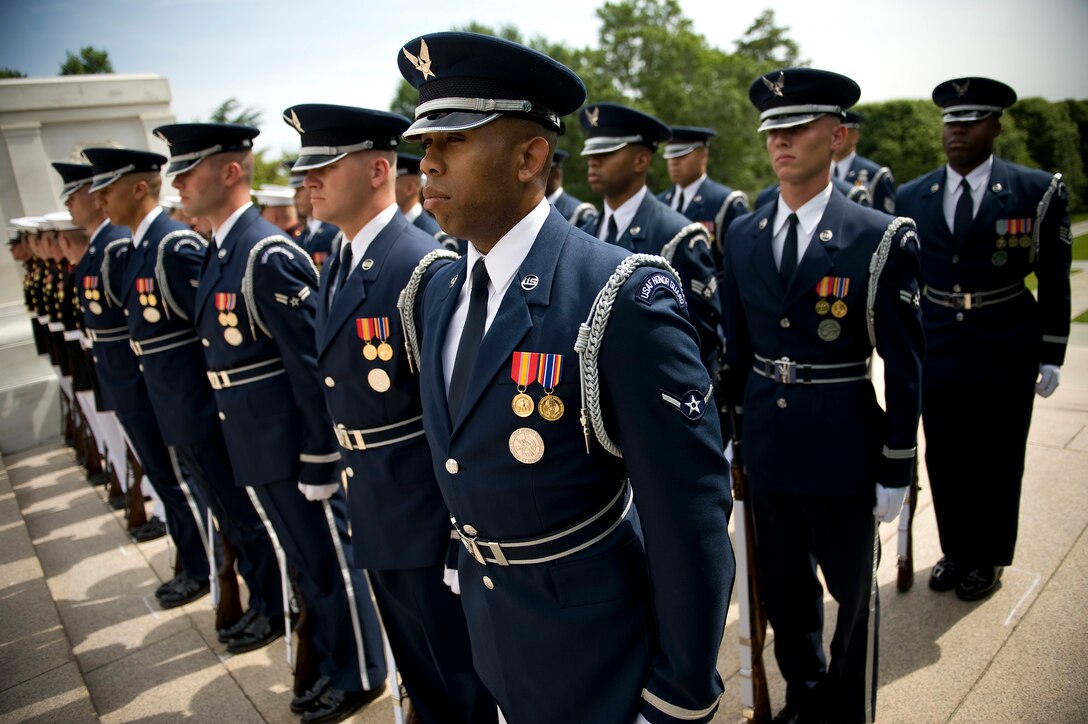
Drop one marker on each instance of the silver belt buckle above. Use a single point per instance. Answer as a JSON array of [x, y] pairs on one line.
[[784, 370], [471, 547], [136, 350], [342, 436], [218, 380]]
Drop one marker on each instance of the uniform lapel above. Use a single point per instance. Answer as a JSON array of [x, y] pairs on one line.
[[209, 280], [993, 204], [513, 320], [817, 260], [761, 257], [437, 325]]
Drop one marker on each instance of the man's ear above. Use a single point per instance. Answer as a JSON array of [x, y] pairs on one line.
[[535, 157], [642, 159]]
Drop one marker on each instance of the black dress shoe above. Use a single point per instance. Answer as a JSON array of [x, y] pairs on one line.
[[946, 575], [336, 704], [261, 631], [978, 583], [186, 590], [118, 502], [151, 530], [226, 633], [168, 586], [304, 702]]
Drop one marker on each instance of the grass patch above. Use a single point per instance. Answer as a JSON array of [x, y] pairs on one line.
[[1032, 283], [1082, 318], [1080, 248], [1083, 216]]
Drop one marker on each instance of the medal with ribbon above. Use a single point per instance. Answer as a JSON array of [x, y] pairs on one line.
[[523, 371], [90, 291], [226, 302], [842, 286], [548, 375], [371, 328], [145, 286], [823, 288]]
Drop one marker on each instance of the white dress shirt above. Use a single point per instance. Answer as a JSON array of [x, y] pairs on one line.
[[840, 168], [689, 192], [624, 214], [977, 179], [808, 216], [218, 235], [141, 230]]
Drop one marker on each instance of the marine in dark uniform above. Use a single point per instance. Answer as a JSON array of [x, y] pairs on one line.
[[857, 170], [582, 606], [813, 283], [400, 525], [254, 312], [985, 225], [620, 144]]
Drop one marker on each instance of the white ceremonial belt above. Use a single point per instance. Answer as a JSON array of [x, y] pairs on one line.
[[222, 379], [379, 436], [154, 345], [973, 300], [550, 547], [789, 372]]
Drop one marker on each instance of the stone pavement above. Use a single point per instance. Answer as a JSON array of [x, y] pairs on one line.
[[82, 640]]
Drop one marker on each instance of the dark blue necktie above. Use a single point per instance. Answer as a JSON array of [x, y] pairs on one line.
[[789, 253], [965, 213], [471, 336], [613, 230]]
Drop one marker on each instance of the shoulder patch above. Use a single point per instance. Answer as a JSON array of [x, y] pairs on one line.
[[692, 404], [295, 299], [275, 249], [190, 242], [659, 281]]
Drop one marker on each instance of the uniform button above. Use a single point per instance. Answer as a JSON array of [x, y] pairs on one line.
[[489, 583], [222, 253], [452, 467], [782, 404], [222, 416], [330, 382], [784, 323], [96, 360], [141, 368], [205, 342], [349, 472], [469, 530], [956, 288], [126, 312], [955, 260], [959, 316]]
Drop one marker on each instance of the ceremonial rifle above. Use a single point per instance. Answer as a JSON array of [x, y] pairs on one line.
[[905, 574]]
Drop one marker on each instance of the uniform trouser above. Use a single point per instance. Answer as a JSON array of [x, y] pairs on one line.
[[976, 436], [795, 533], [143, 431], [209, 467], [427, 632], [303, 532]]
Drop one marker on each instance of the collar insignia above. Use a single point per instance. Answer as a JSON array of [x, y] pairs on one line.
[[422, 63]]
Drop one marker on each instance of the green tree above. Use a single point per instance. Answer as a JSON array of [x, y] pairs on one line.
[[11, 73], [231, 111], [269, 170], [768, 44], [1053, 141], [89, 61], [904, 135]]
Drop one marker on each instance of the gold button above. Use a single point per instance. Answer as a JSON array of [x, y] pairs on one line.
[[205, 342], [126, 312], [956, 288], [469, 530], [330, 382], [784, 323], [782, 404], [350, 472], [488, 583], [222, 416], [452, 467]]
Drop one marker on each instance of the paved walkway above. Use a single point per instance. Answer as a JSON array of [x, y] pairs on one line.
[[81, 639]]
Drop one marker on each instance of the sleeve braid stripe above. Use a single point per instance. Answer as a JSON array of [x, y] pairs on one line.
[[252, 310], [591, 336], [692, 234], [406, 304], [876, 267], [1040, 214]]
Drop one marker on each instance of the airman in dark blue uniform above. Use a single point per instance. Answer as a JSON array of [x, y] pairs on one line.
[[857, 170], [99, 279], [157, 295], [813, 284], [620, 143], [985, 224], [254, 312], [400, 525], [581, 607], [409, 185], [573, 209]]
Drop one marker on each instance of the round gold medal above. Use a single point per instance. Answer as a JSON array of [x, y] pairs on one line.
[[369, 352], [385, 352], [232, 319], [522, 405], [89, 294], [95, 307], [233, 336], [838, 309], [1001, 242], [551, 408], [1025, 242], [823, 307], [152, 300], [378, 379], [152, 315], [526, 445], [97, 295], [829, 330], [223, 319], [143, 300]]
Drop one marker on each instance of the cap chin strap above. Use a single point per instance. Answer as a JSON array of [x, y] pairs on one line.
[[485, 105]]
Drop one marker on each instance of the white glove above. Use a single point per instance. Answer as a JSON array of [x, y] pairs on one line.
[[889, 501], [1049, 377], [641, 720], [449, 577], [318, 492]]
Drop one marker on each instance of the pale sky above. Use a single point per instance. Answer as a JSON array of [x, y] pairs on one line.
[[276, 53]]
